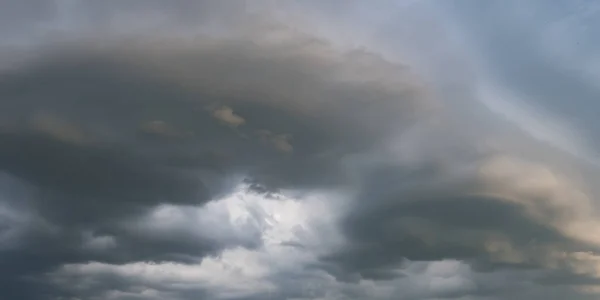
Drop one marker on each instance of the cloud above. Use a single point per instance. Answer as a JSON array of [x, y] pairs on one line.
[[500, 213], [162, 130], [279, 141], [104, 141], [244, 157], [226, 115], [235, 273]]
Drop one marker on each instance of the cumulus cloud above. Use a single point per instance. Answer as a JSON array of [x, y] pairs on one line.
[[254, 158]]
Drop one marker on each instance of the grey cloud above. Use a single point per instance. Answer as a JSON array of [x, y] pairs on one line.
[[160, 129], [516, 219], [105, 132]]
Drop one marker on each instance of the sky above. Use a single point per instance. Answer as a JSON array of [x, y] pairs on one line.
[[241, 150]]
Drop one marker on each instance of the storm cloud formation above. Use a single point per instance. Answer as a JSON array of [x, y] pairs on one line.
[[247, 156]]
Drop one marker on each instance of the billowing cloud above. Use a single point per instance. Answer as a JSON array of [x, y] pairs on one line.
[[116, 143], [250, 156]]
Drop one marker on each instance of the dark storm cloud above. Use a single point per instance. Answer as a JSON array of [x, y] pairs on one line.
[[104, 132], [123, 104]]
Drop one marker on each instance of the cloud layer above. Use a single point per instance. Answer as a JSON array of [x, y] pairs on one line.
[[256, 158]]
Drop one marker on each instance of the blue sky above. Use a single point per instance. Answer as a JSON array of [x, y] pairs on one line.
[[541, 53]]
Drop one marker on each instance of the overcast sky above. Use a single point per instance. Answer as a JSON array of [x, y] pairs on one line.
[[337, 149]]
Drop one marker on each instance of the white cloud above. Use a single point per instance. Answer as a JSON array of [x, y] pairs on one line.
[[291, 242]]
